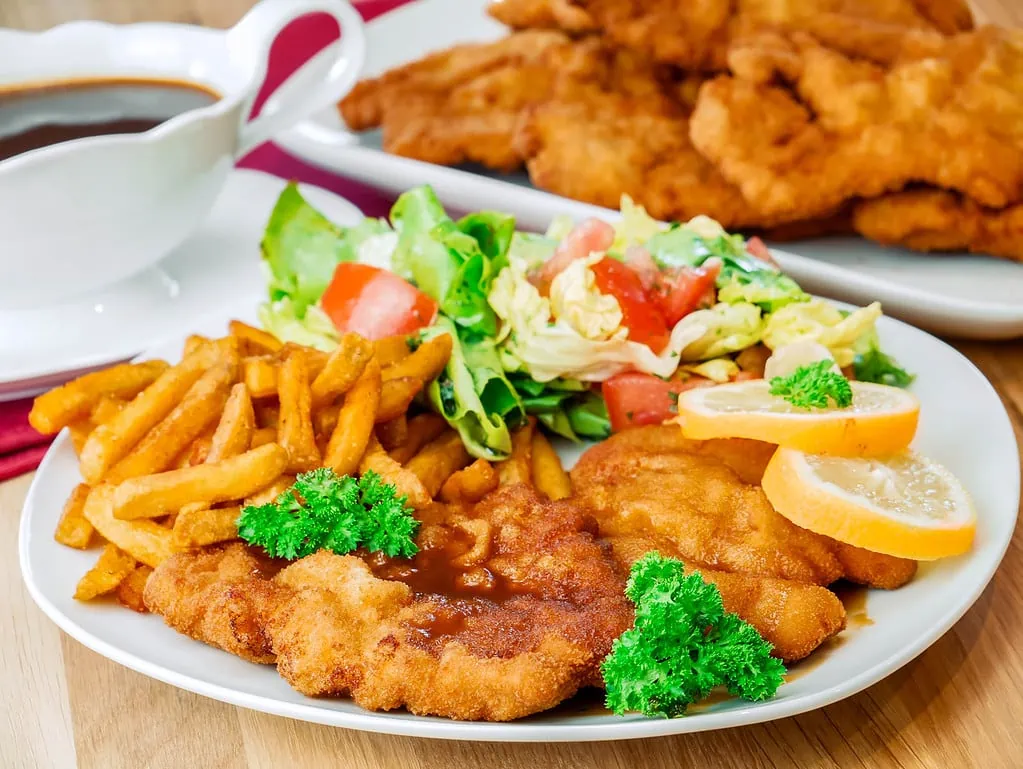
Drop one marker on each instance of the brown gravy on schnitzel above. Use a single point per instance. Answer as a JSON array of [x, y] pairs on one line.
[[460, 589]]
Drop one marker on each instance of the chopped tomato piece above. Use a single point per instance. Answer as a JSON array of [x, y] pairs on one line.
[[639, 315], [680, 291], [587, 237], [375, 303], [635, 399], [640, 260], [755, 247]]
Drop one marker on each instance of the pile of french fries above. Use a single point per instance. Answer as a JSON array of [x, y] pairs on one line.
[[170, 455]]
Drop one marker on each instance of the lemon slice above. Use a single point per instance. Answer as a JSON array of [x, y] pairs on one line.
[[881, 420], [903, 505]]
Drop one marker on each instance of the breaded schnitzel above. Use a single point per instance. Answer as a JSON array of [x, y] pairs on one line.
[[697, 35], [704, 498], [948, 112], [939, 220], [508, 609], [462, 104]]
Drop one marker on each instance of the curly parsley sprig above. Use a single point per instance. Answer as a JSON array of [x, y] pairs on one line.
[[324, 511], [682, 645], [814, 386]]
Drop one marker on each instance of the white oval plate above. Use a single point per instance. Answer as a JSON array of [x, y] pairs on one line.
[[957, 294], [42, 347], [963, 425]]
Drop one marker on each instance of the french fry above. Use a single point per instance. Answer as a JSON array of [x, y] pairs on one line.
[[73, 529], [254, 341], [437, 460], [325, 420], [197, 453], [355, 422], [393, 433], [342, 369], [193, 342], [151, 496], [110, 570], [199, 409], [392, 349], [110, 442], [146, 541], [269, 493], [70, 402], [79, 431], [295, 428], [130, 593], [405, 481], [231, 437], [395, 397], [263, 436], [518, 468], [237, 423], [205, 526], [260, 375], [106, 408], [422, 429], [425, 363], [549, 476], [470, 484]]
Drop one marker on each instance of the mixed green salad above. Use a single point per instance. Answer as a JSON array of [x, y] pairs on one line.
[[591, 327]]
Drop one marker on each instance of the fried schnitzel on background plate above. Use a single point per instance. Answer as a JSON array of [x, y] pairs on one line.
[[951, 293], [964, 426]]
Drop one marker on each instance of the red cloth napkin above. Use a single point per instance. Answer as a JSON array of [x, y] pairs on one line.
[[21, 447]]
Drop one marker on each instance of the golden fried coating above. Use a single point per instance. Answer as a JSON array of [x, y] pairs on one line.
[[508, 609], [599, 149], [938, 220], [543, 14], [462, 105], [704, 498], [948, 112], [697, 35], [220, 595]]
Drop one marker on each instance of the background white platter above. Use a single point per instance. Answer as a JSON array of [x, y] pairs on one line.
[[963, 425], [955, 294], [42, 347]]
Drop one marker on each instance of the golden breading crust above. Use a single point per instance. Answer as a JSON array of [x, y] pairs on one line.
[[948, 112], [543, 14], [938, 220], [507, 610]]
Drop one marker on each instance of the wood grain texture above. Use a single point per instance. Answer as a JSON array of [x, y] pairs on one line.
[[955, 706]]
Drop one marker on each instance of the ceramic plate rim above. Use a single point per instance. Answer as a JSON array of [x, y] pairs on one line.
[[530, 732]]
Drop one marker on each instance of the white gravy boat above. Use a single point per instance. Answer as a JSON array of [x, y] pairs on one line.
[[86, 213]]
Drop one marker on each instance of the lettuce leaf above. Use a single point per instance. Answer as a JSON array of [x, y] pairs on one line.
[[566, 407], [301, 248], [313, 329], [453, 262], [474, 396]]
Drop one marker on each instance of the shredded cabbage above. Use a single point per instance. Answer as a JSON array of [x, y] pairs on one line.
[[576, 301], [534, 342], [725, 328], [819, 321]]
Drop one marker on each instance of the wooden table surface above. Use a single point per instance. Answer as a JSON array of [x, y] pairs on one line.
[[61, 705]]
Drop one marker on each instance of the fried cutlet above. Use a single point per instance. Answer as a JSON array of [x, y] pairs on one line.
[[697, 35], [597, 150], [948, 113], [508, 609], [939, 220], [543, 14], [705, 498], [462, 105]]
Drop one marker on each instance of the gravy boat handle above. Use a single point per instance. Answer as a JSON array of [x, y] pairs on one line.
[[320, 82]]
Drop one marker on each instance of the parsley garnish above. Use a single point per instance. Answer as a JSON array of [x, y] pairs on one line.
[[682, 645], [413, 342], [324, 511], [814, 386]]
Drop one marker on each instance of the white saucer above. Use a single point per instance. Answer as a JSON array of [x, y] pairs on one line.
[[40, 348]]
